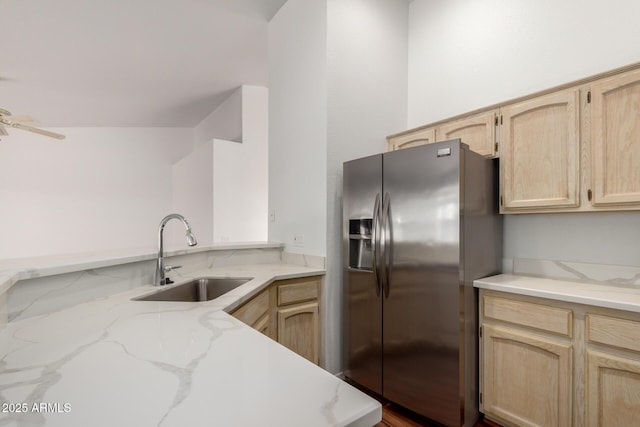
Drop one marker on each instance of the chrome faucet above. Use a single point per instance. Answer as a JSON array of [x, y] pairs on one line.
[[161, 269]]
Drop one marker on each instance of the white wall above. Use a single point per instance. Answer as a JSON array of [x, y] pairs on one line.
[[108, 188], [600, 238], [338, 73], [467, 54], [99, 189], [241, 175], [367, 98], [221, 187], [298, 126], [192, 196], [225, 122]]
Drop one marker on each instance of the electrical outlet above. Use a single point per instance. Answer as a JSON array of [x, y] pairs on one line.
[[272, 215], [298, 239]]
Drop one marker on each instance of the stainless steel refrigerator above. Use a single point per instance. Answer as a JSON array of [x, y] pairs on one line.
[[419, 225]]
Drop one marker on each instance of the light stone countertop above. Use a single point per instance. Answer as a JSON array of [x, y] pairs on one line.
[[141, 363], [13, 270], [618, 297]]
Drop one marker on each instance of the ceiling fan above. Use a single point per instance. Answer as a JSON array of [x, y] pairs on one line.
[[6, 121]]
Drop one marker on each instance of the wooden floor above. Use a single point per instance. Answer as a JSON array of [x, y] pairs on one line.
[[396, 416]]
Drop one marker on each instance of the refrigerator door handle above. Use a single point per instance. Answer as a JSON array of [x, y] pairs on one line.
[[375, 244], [387, 246]]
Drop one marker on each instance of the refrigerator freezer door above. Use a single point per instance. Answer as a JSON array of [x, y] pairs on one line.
[[421, 307], [362, 310]]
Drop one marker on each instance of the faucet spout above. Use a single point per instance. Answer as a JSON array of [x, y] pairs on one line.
[[161, 269]]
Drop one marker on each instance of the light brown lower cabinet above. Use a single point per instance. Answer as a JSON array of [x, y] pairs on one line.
[[298, 329], [527, 378], [551, 363], [613, 369], [256, 313], [288, 311]]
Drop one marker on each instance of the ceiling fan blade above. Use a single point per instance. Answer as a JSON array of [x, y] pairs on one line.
[[21, 119], [35, 130], [18, 119], [3, 131]]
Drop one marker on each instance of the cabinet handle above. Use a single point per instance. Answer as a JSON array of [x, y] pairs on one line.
[[589, 194]]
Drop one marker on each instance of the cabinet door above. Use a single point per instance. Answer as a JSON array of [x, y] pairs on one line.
[[255, 312], [298, 330], [539, 157], [615, 134], [613, 390], [527, 379], [412, 139], [263, 325], [478, 132]]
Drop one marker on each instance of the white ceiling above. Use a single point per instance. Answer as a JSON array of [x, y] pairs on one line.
[[129, 62]]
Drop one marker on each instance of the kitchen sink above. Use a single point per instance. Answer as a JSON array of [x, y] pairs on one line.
[[201, 289]]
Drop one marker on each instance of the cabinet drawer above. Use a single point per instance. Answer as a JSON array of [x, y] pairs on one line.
[[253, 309], [298, 290], [537, 316], [614, 332]]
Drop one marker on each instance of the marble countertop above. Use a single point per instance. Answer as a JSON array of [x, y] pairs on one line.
[[116, 361], [618, 297], [13, 270]]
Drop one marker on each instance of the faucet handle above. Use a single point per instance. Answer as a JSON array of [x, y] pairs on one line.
[[168, 268]]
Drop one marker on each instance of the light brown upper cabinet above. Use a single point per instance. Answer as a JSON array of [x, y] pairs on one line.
[[615, 140], [477, 131], [573, 148], [540, 153], [411, 139]]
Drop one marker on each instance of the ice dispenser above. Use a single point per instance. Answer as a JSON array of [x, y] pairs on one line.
[[360, 243]]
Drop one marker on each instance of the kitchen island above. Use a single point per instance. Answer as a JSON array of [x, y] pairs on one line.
[[115, 361]]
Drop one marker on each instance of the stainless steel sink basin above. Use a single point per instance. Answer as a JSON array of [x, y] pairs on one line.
[[201, 289]]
